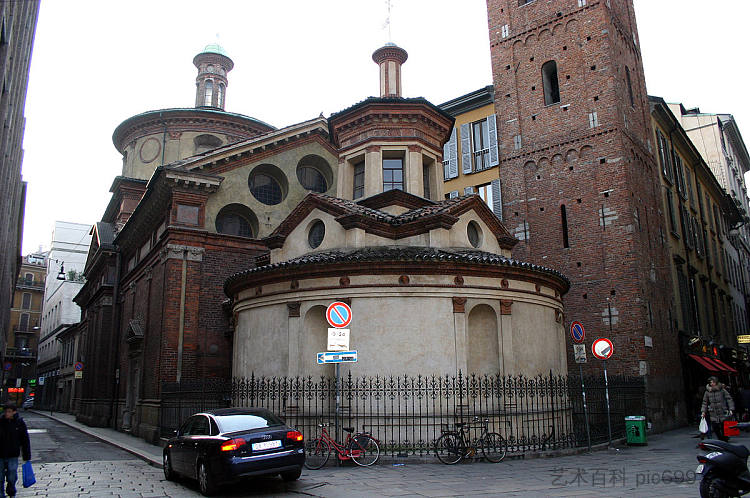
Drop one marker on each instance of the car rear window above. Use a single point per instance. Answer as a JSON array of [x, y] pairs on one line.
[[247, 421]]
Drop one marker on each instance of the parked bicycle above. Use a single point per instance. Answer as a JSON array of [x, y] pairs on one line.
[[361, 448], [453, 446]]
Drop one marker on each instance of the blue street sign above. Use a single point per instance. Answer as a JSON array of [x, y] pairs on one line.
[[576, 332], [337, 357]]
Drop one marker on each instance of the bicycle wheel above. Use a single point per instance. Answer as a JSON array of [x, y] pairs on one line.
[[317, 452], [364, 450], [494, 447], [449, 449]]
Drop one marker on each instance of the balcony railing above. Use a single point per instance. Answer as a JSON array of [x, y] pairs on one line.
[[29, 284], [20, 353]]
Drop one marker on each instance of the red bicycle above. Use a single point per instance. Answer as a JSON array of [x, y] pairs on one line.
[[361, 448]]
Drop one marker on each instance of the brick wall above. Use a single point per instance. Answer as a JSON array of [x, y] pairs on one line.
[[600, 168]]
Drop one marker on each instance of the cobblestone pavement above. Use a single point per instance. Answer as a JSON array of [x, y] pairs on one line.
[[664, 468]]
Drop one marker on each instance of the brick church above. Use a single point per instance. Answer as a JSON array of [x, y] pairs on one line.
[[206, 194]]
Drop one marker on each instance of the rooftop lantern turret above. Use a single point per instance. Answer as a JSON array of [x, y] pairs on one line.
[[390, 57], [213, 64]]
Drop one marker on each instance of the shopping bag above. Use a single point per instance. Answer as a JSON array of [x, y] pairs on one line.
[[28, 474], [703, 426]]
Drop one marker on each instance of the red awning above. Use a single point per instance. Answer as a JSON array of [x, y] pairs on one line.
[[724, 367], [705, 363]]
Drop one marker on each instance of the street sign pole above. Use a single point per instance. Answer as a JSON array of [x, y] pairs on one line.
[[338, 407], [606, 393], [585, 408]]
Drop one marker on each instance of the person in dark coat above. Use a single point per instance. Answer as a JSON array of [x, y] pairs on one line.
[[719, 404], [14, 441]]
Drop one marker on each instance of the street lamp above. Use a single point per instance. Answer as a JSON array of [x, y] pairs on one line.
[[61, 275]]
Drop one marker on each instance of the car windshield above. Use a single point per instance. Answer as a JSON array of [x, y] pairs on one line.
[[247, 421]]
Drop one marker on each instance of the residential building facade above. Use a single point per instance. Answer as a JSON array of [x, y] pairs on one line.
[[471, 156], [718, 138], [17, 28], [25, 319], [697, 211], [65, 264], [580, 184]]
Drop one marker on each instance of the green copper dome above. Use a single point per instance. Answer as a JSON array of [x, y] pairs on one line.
[[215, 48]]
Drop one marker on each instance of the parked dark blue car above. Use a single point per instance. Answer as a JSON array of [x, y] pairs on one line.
[[223, 446]]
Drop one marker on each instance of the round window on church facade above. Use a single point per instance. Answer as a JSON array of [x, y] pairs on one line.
[[474, 233], [266, 189], [316, 234], [311, 179]]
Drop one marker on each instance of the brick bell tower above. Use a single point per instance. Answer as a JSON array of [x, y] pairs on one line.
[[580, 184], [213, 65]]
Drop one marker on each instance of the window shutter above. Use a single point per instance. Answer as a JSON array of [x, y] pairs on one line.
[[492, 129], [466, 148], [497, 199], [453, 157], [446, 171], [453, 194], [468, 190]]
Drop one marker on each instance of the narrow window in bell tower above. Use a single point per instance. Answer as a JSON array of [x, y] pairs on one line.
[[564, 219], [630, 86], [209, 93], [220, 95], [550, 82]]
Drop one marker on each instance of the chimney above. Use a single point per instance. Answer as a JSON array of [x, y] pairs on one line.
[[389, 58]]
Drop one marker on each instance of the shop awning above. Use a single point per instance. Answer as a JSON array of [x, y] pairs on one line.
[[724, 367], [705, 363]]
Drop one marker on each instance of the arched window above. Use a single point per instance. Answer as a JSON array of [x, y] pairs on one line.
[[220, 100], [550, 83], [237, 219], [630, 86], [209, 93]]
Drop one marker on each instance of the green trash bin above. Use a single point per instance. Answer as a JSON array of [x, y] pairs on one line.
[[635, 429]]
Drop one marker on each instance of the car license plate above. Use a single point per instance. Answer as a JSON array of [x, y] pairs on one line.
[[699, 470], [267, 445]]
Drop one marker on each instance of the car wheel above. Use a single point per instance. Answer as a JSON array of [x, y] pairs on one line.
[[169, 473], [291, 475], [206, 481]]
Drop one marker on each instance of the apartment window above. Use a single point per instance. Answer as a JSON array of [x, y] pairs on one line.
[[393, 174], [209, 95], [26, 301], [670, 210], [664, 156], [480, 145], [630, 86], [29, 277], [564, 221], [359, 180], [689, 180], [550, 83], [679, 174], [23, 323]]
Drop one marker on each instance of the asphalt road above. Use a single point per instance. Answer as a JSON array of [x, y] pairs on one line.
[[53, 442]]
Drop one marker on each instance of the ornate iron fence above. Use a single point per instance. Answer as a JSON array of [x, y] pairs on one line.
[[407, 414]]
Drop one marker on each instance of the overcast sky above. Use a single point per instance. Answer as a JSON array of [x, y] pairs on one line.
[[96, 63]]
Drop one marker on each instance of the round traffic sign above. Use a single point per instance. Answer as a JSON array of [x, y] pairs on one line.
[[576, 332], [7, 366], [339, 315], [78, 366], [602, 348]]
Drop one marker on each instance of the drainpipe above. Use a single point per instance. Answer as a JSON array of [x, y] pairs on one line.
[[116, 327]]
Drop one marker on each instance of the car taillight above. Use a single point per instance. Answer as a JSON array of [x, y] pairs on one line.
[[702, 446], [232, 444], [294, 436], [702, 459]]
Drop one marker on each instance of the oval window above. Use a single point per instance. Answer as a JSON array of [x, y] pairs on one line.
[[474, 233], [316, 234], [266, 189]]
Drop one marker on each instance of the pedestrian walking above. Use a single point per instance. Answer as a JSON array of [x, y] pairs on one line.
[[718, 403], [14, 442]]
